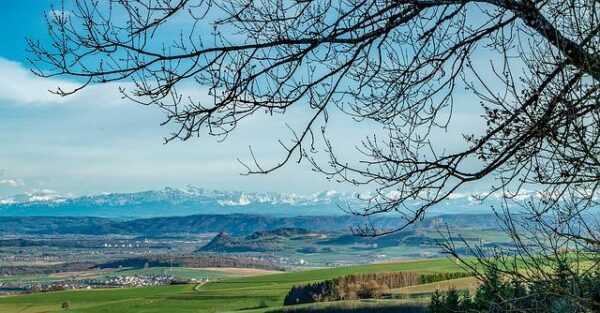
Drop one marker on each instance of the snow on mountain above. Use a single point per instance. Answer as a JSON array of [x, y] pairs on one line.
[[45, 195], [7, 201], [193, 200]]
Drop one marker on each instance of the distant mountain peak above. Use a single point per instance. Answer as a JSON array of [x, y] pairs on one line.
[[223, 234], [189, 200]]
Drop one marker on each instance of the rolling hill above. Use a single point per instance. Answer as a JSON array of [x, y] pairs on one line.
[[249, 294], [235, 224]]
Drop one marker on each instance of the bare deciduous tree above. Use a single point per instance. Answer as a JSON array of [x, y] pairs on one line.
[[398, 63]]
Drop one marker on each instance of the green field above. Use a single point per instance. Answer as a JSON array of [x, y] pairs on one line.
[[177, 272], [247, 294]]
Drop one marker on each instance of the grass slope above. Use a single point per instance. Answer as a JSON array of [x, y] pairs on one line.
[[248, 294], [177, 272]]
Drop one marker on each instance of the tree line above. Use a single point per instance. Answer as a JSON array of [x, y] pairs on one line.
[[564, 291], [362, 286]]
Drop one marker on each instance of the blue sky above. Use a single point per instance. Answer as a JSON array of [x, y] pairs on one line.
[[96, 142]]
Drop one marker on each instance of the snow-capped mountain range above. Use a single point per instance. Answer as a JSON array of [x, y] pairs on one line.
[[193, 200]]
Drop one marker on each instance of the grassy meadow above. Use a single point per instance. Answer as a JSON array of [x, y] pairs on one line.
[[177, 272], [261, 293]]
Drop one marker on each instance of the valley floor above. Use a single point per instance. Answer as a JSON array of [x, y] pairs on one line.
[[259, 293]]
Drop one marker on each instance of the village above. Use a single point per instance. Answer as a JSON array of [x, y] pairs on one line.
[[93, 283]]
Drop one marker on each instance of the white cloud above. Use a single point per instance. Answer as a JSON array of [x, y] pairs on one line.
[[8, 201], [46, 191], [80, 143], [59, 13], [20, 85], [331, 193], [394, 195], [12, 182], [457, 195]]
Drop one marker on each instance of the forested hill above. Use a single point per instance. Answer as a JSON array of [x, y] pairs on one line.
[[235, 224]]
